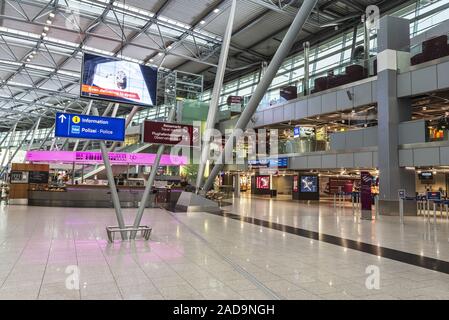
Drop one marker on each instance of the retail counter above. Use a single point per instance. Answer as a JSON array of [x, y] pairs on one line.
[[92, 196]]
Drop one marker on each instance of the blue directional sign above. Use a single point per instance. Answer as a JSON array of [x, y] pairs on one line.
[[80, 126], [433, 196]]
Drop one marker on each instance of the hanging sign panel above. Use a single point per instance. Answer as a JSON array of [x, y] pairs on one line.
[[172, 134], [80, 126]]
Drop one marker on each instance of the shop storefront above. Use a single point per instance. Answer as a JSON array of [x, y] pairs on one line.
[[77, 179]]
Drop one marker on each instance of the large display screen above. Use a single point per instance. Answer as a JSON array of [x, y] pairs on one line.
[[119, 81], [426, 176], [309, 184], [304, 132], [263, 182]]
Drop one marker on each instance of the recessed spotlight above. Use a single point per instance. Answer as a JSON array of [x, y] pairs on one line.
[[202, 22], [28, 60], [48, 21], [160, 54], [424, 108], [46, 28], [170, 47], [44, 34], [52, 15], [151, 60], [216, 10]]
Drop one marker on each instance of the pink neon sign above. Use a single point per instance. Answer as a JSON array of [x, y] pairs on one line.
[[142, 159]]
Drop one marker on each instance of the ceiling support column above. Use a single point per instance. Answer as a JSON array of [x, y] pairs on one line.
[[215, 99], [282, 52]]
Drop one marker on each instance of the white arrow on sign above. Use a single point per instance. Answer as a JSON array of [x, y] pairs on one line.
[[62, 118]]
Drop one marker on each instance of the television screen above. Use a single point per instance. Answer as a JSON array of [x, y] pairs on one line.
[[263, 182], [304, 132], [426, 176], [120, 81], [280, 163], [309, 184]]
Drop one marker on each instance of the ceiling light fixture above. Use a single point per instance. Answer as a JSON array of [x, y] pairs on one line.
[[216, 10]]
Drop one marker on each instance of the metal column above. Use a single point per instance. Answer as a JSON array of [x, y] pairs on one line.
[[264, 84], [306, 68], [5, 167], [150, 181], [366, 42], [127, 123], [213, 106], [11, 137], [34, 134], [112, 186]]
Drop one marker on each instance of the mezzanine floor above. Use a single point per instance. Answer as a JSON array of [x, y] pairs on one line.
[[306, 252]]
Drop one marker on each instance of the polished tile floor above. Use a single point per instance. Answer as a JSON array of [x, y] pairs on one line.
[[205, 256]]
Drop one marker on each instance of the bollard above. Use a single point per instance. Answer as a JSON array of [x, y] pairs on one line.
[[447, 211], [434, 213], [401, 210], [418, 206], [335, 200], [428, 211], [376, 203], [353, 200]]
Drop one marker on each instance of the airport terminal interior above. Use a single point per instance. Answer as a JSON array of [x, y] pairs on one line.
[[224, 150]]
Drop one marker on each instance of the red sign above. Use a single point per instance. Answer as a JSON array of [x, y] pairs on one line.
[[295, 184], [234, 100], [263, 182], [170, 134]]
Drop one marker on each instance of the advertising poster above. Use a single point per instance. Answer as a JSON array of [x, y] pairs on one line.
[[295, 184], [263, 182], [309, 184], [366, 183], [121, 81]]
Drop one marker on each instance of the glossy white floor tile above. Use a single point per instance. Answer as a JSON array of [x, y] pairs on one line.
[[204, 256], [416, 235]]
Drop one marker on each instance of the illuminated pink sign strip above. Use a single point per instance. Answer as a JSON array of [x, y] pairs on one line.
[[143, 159]]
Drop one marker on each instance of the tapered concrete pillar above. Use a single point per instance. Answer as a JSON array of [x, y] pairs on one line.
[[282, 52], [393, 46], [215, 99]]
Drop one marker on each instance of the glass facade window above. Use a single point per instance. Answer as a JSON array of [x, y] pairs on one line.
[[332, 54]]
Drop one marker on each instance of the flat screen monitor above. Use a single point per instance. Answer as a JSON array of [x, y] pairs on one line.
[[263, 182], [110, 79], [309, 184], [426, 176]]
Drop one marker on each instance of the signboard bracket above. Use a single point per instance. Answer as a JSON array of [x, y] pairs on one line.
[[112, 186]]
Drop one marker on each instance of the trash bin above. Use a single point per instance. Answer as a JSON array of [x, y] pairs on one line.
[[273, 193]]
